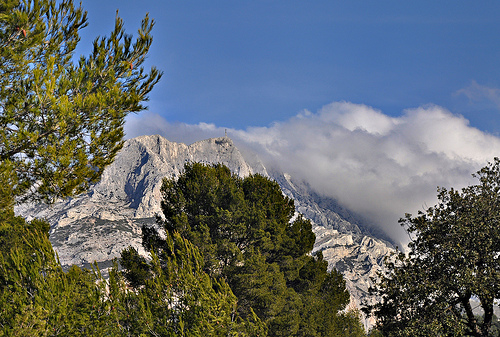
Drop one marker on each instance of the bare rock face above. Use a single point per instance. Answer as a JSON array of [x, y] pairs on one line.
[[138, 170], [97, 225], [345, 242]]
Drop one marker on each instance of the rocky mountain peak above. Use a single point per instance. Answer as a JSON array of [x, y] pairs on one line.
[[98, 225], [136, 174]]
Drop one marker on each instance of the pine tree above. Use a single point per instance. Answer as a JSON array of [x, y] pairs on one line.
[[36, 297], [247, 234], [61, 121], [178, 298]]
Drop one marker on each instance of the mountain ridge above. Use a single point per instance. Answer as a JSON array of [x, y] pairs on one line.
[[99, 224]]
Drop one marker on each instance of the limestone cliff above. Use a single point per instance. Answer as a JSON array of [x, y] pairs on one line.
[[97, 225]]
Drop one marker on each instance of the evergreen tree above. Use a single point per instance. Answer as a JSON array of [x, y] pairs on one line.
[[178, 298], [36, 297], [247, 234], [453, 258], [61, 122]]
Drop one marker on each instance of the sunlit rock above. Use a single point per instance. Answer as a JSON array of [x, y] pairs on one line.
[[97, 225]]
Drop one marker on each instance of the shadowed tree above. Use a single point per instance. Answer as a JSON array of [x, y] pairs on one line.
[[453, 258], [248, 236]]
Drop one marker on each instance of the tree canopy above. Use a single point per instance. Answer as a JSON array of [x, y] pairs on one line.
[[233, 260], [250, 238], [61, 123], [61, 120], [173, 296], [36, 297], [453, 260]]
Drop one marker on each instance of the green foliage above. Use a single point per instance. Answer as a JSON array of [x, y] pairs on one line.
[[247, 236], [375, 333], [205, 306], [136, 268], [453, 258], [177, 298], [36, 297], [61, 122]]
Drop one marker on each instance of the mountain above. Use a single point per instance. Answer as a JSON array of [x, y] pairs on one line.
[[98, 225]]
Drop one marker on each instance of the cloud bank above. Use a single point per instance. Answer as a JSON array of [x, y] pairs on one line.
[[378, 166]]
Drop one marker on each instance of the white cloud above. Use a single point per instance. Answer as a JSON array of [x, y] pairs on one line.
[[357, 117], [149, 123], [373, 164], [477, 93]]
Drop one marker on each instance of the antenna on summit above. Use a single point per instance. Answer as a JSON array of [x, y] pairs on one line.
[[225, 133]]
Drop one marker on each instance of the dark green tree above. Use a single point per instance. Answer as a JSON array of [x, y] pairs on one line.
[[36, 297], [175, 297], [248, 236], [453, 258], [61, 121]]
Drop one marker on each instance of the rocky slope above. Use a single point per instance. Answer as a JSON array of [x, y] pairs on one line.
[[97, 225], [345, 242]]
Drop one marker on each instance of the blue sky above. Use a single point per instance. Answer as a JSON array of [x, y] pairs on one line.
[[373, 103], [251, 63]]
